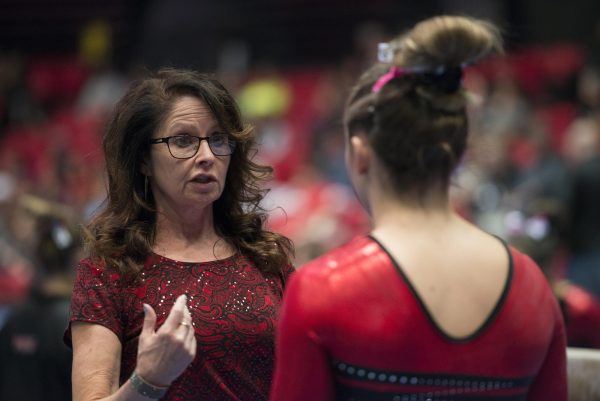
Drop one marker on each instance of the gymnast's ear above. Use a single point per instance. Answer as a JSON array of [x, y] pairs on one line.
[[360, 153]]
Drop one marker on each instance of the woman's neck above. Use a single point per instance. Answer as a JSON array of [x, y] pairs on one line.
[[192, 237], [411, 213]]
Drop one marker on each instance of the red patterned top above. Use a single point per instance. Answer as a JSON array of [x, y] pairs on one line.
[[233, 305], [353, 327]]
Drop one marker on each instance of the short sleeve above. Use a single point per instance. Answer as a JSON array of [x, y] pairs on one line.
[[96, 298], [302, 365], [550, 383]]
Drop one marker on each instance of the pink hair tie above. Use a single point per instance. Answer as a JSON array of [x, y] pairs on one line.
[[394, 72]]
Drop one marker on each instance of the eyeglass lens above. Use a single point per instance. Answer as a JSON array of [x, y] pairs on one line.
[[186, 146]]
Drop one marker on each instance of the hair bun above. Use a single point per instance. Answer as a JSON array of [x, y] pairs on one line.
[[449, 42]]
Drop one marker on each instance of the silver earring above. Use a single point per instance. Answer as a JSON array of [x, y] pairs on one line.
[[145, 187]]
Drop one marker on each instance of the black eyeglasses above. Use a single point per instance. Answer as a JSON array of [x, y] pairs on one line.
[[186, 146]]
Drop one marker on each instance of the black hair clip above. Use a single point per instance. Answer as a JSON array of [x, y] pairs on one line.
[[447, 80]]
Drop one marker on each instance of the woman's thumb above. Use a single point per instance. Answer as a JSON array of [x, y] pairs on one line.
[[149, 320]]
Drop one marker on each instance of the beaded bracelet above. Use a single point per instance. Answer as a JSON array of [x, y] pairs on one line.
[[146, 389]]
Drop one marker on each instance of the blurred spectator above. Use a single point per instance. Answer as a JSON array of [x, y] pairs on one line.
[[541, 172], [583, 234], [588, 89], [35, 365], [326, 130], [538, 231], [265, 99], [581, 141], [16, 267], [17, 105], [316, 213], [105, 84], [506, 110], [483, 183]]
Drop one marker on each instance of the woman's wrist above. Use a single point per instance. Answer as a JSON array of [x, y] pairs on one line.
[[145, 388]]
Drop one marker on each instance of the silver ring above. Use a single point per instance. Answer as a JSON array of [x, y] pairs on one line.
[[184, 324]]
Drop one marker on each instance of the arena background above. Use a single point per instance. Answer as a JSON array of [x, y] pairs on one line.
[[534, 119]]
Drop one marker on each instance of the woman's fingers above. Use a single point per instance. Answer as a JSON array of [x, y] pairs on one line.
[[186, 319], [185, 328], [191, 343], [190, 334], [176, 315], [163, 356], [149, 321], [187, 314]]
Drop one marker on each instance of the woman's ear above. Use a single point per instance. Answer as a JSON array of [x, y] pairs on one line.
[[361, 153]]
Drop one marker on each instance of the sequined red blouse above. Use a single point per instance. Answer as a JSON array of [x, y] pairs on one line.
[[233, 305]]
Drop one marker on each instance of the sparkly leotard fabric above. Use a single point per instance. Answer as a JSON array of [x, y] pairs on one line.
[[233, 305], [353, 328]]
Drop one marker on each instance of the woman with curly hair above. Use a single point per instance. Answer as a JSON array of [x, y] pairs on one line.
[[178, 296]]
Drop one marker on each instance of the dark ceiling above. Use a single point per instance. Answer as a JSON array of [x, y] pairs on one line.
[[284, 32]]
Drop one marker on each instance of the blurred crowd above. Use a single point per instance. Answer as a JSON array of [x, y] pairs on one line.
[[531, 176]]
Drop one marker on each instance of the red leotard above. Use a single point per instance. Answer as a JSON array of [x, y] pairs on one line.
[[353, 328]]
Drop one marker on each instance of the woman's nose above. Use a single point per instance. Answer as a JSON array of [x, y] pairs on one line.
[[204, 153]]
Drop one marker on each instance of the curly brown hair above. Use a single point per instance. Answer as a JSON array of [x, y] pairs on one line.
[[122, 233]]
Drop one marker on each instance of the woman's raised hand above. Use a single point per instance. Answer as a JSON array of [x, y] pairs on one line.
[[165, 353]]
